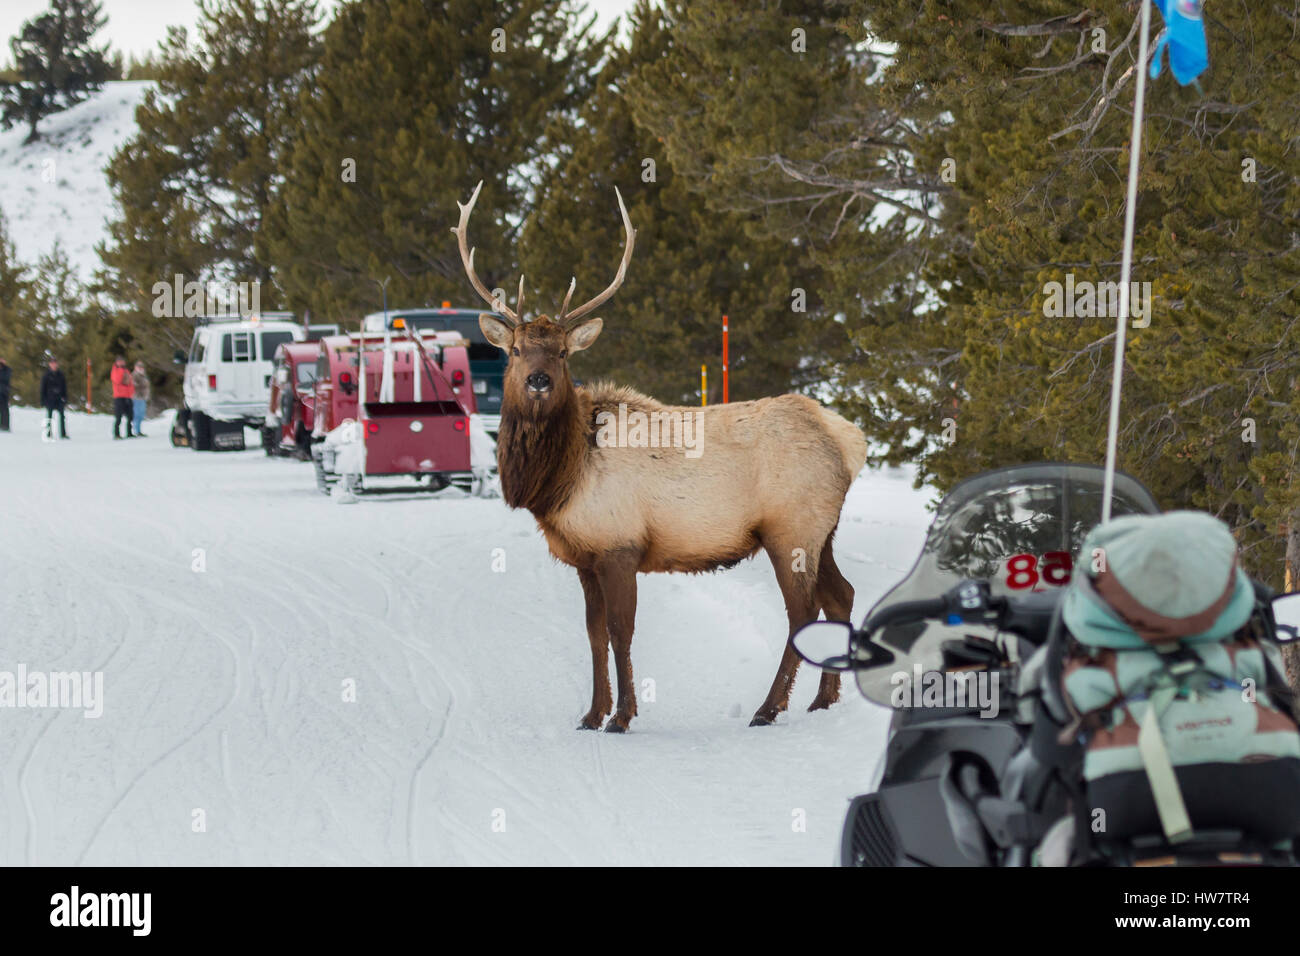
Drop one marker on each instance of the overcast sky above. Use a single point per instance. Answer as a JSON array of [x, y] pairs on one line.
[[137, 26]]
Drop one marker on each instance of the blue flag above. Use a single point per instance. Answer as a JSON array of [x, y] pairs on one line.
[[1184, 35]]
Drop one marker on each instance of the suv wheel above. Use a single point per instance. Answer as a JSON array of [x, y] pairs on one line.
[[201, 432], [181, 428]]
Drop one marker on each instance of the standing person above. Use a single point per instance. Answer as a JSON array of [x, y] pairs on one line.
[[140, 380], [123, 392], [4, 395], [54, 395]]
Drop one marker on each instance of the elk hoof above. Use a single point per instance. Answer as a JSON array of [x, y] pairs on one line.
[[617, 725], [821, 703], [590, 722], [762, 720]]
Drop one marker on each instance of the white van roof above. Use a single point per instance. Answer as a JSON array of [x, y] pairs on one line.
[[256, 320]]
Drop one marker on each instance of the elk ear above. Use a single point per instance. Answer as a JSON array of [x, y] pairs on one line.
[[581, 336], [497, 332]]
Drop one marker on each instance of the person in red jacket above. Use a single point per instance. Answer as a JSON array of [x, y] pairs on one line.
[[123, 392]]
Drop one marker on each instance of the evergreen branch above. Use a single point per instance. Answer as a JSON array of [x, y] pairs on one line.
[[1090, 347], [1053, 27], [1080, 56], [1089, 126], [1094, 118], [863, 188], [1202, 393]]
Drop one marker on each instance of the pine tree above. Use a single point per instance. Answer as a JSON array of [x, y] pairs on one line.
[[193, 186], [55, 63], [64, 324], [415, 102], [768, 109], [147, 67], [1007, 134], [47, 312], [83, 328], [691, 265], [1040, 137], [15, 320], [44, 314]]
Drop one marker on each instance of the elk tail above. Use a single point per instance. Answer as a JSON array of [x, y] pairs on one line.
[[848, 436]]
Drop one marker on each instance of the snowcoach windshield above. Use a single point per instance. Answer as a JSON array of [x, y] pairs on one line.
[[480, 349], [487, 363], [1018, 528]]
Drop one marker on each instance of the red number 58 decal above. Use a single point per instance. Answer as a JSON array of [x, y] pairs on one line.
[[1024, 571]]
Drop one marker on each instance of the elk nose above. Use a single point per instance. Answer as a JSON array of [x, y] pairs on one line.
[[538, 382]]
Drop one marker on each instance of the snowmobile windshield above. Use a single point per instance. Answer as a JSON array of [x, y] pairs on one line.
[[1018, 528]]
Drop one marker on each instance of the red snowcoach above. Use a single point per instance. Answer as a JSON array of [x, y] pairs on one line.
[[412, 432], [291, 415]]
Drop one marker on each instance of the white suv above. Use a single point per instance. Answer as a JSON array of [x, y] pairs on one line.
[[227, 380]]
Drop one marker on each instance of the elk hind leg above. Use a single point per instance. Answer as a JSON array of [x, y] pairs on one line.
[[835, 595], [796, 573]]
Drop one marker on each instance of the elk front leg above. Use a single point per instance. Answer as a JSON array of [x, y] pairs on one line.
[[598, 635], [617, 577]]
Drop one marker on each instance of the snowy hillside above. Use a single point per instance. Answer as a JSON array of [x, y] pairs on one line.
[[223, 687], [55, 188]]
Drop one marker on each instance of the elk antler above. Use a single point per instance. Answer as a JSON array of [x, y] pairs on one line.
[[467, 258], [566, 318]]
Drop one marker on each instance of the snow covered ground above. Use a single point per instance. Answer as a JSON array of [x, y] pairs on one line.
[[55, 189], [224, 687]]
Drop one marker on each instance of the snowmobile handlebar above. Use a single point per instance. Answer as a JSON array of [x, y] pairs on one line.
[[905, 612], [972, 602]]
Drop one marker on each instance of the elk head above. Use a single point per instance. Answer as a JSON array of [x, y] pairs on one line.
[[537, 376]]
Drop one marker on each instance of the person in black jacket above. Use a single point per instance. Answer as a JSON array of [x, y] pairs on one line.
[[54, 395], [4, 395]]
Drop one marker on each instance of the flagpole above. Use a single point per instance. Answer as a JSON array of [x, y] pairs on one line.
[[1126, 266]]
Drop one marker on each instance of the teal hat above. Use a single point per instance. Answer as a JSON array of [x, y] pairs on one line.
[[1158, 579]]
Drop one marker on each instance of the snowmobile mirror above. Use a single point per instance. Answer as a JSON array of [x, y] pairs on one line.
[[178, 357], [1286, 611], [824, 644]]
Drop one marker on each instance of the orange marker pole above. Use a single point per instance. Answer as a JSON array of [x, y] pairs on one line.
[[726, 371], [704, 385]]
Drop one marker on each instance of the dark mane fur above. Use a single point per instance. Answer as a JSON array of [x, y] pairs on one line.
[[540, 459]]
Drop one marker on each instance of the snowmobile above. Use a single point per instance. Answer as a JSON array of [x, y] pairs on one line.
[[980, 767]]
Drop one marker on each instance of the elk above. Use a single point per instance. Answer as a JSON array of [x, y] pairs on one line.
[[770, 474]]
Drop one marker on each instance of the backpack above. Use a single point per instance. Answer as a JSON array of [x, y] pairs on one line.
[[1174, 687]]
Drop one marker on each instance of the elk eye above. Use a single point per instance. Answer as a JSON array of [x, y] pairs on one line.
[[514, 350], [564, 353]]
